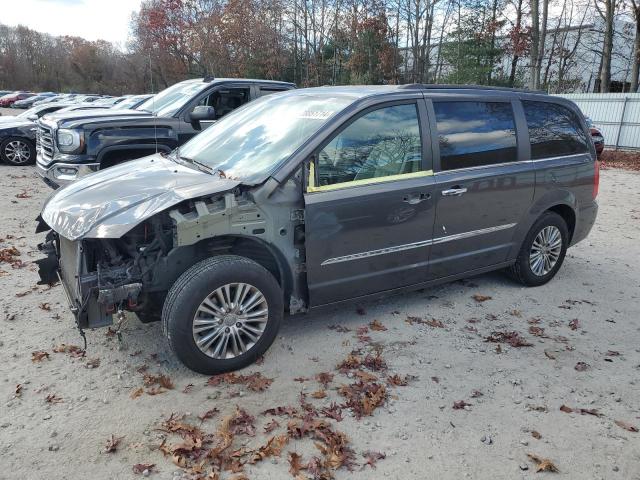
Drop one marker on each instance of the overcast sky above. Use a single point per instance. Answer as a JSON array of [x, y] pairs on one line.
[[90, 19]]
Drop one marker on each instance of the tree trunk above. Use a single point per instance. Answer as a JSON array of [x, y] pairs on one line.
[[538, 39], [635, 65], [607, 47]]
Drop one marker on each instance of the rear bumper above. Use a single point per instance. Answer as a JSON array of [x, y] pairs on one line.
[[586, 218], [60, 174]]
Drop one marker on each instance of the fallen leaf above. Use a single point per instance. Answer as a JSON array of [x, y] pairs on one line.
[[573, 324], [398, 381], [23, 194], [139, 468], [137, 392], [627, 426], [537, 331], [112, 444], [377, 326], [460, 404], [93, 363], [39, 355], [271, 426], [318, 394], [372, 458], [53, 398], [536, 435], [295, 463], [543, 464], [549, 354], [581, 366], [324, 378], [208, 414], [512, 338], [481, 298]]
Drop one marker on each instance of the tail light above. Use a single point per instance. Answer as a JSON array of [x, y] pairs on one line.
[[596, 179]]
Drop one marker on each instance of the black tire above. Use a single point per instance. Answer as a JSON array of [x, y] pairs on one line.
[[521, 270], [196, 284], [6, 155]]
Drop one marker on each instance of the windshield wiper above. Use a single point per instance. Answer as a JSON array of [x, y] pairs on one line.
[[200, 165]]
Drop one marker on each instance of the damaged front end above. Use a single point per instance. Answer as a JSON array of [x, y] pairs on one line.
[[103, 276]]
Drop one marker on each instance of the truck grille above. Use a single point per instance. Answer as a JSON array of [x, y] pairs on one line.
[[44, 143]]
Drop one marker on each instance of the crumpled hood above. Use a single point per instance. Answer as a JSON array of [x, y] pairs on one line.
[[109, 203]]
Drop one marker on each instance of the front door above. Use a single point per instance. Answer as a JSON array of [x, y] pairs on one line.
[[483, 190], [369, 206]]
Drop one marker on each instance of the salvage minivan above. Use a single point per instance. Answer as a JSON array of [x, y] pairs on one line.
[[313, 197]]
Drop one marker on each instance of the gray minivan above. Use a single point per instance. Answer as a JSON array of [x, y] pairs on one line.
[[312, 197]]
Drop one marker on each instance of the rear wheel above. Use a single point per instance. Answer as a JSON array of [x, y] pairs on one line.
[[542, 252], [17, 151], [222, 314]]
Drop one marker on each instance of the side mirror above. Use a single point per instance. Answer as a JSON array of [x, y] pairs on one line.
[[201, 113]]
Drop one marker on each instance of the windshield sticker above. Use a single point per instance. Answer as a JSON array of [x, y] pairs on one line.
[[315, 114]]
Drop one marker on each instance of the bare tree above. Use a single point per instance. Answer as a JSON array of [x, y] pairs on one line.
[[538, 40]]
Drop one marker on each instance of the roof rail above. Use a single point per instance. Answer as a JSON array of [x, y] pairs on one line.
[[444, 86]]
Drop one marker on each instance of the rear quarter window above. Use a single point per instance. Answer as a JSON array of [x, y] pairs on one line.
[[472, 134], [554, 130]]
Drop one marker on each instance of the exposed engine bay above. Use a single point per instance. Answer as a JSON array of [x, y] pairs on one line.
[[106, 276]]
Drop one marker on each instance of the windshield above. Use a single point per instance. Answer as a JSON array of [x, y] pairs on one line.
[[131, 102], [251, 142], [171, 99]]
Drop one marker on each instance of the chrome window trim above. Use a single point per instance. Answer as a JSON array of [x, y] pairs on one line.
[[504, 164], [422, 243]]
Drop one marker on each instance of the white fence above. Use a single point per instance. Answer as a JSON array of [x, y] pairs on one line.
[[617, 115]]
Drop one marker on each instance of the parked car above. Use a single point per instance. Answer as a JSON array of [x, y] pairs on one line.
[[29, 102], [73, 145], [18, 135], [315, 197], [596, 135], [132, 102], [9, 99], [63, 97]]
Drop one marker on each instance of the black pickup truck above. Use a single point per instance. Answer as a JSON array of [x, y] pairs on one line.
[[72, 145]]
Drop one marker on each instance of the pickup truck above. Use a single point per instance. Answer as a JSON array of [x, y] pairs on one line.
[[71, 145]]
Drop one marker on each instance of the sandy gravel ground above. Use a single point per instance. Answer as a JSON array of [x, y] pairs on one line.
[[589, 313]]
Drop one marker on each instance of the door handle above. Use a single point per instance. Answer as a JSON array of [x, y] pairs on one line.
[[416, 198], [454, 192]]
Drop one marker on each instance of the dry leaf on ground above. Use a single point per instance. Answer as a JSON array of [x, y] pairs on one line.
[[543, 464], [627, 426]]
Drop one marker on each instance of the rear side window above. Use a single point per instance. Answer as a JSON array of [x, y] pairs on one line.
[[473, 134], [554, 130]]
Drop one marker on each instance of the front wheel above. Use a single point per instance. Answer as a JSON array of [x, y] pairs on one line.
[[542, 252], [222, 314], [18, 151]]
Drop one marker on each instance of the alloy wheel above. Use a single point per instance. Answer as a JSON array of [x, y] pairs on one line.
[[545, 250], [17, 152], [230, 320]]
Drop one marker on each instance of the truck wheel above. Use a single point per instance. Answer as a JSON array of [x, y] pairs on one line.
[[542, 252], [222, 314], [17, 151]]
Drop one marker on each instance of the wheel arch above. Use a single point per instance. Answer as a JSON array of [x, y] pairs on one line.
[[180, 259]]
